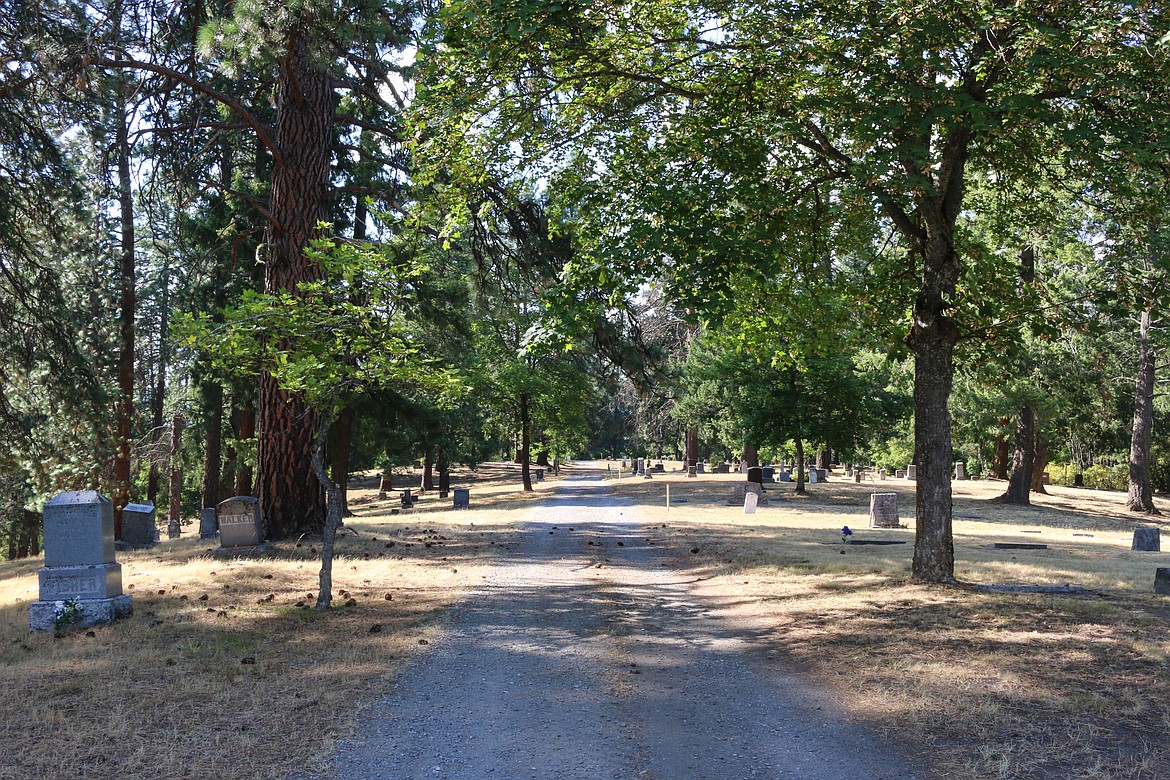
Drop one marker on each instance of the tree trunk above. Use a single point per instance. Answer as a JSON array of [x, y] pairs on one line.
[[160, 384], [339, 454], [799, 442], [1001, 459], [525, 442], [175, 508], [428, 475], [824, 458], [245, 425], [751, 455], [444, 471], [332, 518], [692, 447], [932, 337], [1020, 484], [290, 497], [125, 398], [212, 443], [1039, 463], [1141, 496]]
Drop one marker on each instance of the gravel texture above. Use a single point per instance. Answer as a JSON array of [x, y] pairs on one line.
[[581, 658]]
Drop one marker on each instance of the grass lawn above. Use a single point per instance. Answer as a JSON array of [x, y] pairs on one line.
[[992, 685], [225, 670]]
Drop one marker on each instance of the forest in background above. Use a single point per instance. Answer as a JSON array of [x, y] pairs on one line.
[[242, 240]]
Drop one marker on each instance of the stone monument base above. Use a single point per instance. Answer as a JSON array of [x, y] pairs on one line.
[[42, 615]]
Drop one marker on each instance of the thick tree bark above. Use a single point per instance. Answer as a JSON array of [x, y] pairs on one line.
[[290, 497], [525, 442], [160, 383], [1039, 463], [799, 442], [692, 448], [824, 459], [1141, 495], [932, 337], [1020, 485]]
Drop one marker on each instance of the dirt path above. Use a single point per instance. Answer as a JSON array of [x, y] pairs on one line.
[[585, 656]]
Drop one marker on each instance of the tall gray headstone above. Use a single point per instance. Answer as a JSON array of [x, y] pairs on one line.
[[960, 470], [883, 510], [138, 525], [462, 498], [1162, 581], [80, 576], [912, 471], [1147, 539], [240, 522], [857, 475], [813, 476], [208, 524]]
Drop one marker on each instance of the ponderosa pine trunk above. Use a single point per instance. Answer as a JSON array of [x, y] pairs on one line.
[[1001, 459], [750, 456], [799, 442], [175, 466], [1039, 463], [444, 465], [692, 449], [290, 494], [428, 475], [212, 443], [1141, 496]]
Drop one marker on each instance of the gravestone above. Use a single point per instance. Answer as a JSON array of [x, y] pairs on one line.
[[540, 475], [912, 471], [1162, 581], [660, 467], [812, 476], [80, 579], [785, 476], [960, 471], [740, 490], [721, 468], [462, 498], [768, 473], [881, 474], [857, 475], [240, 522], [899, 474], [755, 474], [1078, 480], [625, 464], [750, 502], [822, 474], [692, 471], [700, 468], [1147, 539], [883, 510], [639, 467], [649, 474], [139, 529], [208, 523], [408, 499]]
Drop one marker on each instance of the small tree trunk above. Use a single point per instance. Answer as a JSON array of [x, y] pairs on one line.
[[339, 454], [1141, 496], [824, 458], [444, 471], [428, 475], [799, 442], [332, 512], [212, 443], [1020, 484], [175, 508], [125, 399], [692, 445], [160, 385], [525, 442]]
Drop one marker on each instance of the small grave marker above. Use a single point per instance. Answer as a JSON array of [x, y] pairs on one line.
[[750, 501], [462, 498], [1147, 539], [912, 471], [883, 510], [1162, 581], [139, 529]]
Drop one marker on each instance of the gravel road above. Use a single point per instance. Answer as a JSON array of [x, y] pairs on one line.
[[585, 656]]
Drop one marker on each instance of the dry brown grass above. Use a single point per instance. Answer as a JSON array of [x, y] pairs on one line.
[[224, 671], [992, 685]]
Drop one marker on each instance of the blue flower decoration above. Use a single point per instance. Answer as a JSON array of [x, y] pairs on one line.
[[846, 532]]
